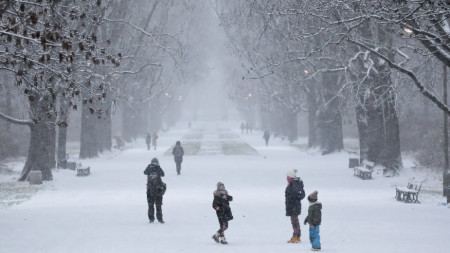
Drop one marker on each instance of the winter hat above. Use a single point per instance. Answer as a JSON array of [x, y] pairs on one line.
[[178, 143], [155, 161], [221, 188], [292, 173], [313, 196]]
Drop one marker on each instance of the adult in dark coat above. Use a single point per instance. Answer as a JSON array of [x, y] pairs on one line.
[[266, 137], [178, 153], [294, 193], [155, 190], [221, 204], [148, 139]]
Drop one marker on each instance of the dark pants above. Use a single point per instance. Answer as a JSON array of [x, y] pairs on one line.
[[223, 226], [178, 167], [295, 226], [152, 201]]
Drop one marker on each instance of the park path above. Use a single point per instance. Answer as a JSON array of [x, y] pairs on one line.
[[107, 211]]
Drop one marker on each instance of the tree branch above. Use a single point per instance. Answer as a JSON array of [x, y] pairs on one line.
[[16, 121]]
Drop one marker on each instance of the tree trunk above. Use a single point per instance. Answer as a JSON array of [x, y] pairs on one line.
[[88, 140], [330, 118], [41, 152], [62, 133], [361, 121], [291, 126], [313, 140]]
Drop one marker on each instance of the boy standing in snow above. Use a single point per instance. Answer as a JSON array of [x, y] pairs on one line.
[[314, 219], [221, 204], [293, 195]]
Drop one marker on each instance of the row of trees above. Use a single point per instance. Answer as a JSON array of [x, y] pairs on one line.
[[334, 57], [93, 56]]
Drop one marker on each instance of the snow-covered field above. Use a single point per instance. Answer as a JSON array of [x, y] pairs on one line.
[[107, 211]]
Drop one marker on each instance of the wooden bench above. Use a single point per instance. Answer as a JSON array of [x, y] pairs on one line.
[[410, 193], [365, 171], [83, 171]]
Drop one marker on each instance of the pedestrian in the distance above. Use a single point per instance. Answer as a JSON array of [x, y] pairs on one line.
[[293, 195], [178, 153], [314, 219], [221, 204], [155, 190], [266, 137], [242, 128], [154, 139], [148, 139]]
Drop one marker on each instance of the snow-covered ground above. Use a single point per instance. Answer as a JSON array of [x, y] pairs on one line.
[[107, 211]]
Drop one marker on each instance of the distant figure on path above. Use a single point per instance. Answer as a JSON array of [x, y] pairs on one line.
[[155, 190], [294, 193], [154, 139], [266, 137], [221, 204], [148, 139], [242, 128], [178, 153], [247, 127], [314, 219]]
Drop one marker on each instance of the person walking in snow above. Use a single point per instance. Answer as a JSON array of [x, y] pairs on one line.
[[178, 153], [266, 137], [154, 138], [221, 204], [314, 219], [294, 193], [155, 190], [148, 139], [242, 128]]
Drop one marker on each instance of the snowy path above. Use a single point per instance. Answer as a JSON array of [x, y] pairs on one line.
[[106, 212]]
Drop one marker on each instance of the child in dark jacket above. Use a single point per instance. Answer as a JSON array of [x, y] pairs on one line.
[[314, 219], [221, 204]]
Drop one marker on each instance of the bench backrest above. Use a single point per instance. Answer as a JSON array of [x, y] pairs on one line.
[[368, 164], [414, 185]]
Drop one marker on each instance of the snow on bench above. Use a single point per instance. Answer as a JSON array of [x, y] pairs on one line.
[[410, 193], [365, 171], [83, 171]]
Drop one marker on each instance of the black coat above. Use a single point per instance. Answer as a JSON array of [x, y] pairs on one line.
[[178, 153], [294, 194], [154, 182], [224, 212]]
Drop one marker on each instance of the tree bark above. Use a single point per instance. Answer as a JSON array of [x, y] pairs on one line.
[[313, 140], [330, 118], [41, 152], [62, 133], [88, 140]]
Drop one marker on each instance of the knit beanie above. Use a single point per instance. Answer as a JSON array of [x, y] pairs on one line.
[[313, 196], [292, 173], [155, 161]]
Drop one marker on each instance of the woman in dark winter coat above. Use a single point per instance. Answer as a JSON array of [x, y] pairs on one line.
[[178, 153], [221, 204], [155, 190], [294, 194]]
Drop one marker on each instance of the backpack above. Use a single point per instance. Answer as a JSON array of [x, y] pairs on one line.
[[161, 189]]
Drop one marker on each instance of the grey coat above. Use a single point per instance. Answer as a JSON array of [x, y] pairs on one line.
[[314, 217]]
